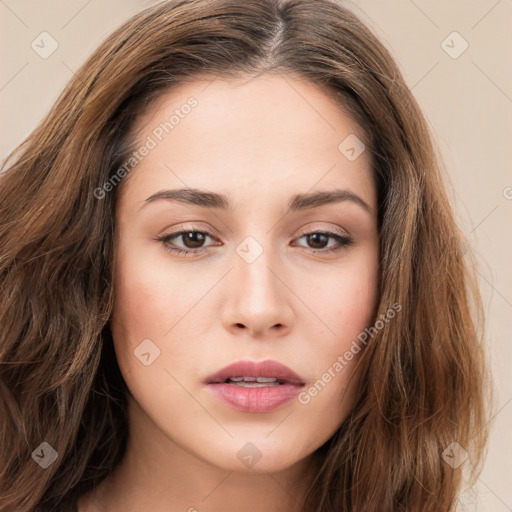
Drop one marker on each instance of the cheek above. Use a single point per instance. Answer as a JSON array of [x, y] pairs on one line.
[[151, 294], [168, 305], [153, 306], [357, 299], [150, 300], [347, 301], [344, 299], [358, 293]]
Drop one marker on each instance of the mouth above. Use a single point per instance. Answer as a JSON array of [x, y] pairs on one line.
[[252, 382], [250, 386], [255, 373]]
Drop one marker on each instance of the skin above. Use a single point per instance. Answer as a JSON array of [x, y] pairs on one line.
[[259, 141]]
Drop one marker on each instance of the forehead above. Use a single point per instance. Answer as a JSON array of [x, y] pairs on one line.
[[248, 137]]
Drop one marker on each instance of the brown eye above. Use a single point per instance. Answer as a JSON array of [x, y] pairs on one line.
[[318, 241], [186, 241], [192, 239]]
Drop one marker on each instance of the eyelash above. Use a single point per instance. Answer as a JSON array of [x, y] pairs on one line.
[[343, 240]]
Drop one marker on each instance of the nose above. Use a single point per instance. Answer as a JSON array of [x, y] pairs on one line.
[[258, 299]]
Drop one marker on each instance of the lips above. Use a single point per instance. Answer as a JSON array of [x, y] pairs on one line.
[[255, 387], [266, 369]]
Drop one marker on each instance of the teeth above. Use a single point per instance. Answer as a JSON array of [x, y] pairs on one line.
[[253, 379], [255, 384]]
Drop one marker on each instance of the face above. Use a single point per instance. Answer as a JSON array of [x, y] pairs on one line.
[[270, 266]]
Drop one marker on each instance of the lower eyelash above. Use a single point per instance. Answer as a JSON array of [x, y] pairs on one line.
[[178, 250], [344, 242]]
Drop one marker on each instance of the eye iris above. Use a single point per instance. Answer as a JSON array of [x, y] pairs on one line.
[[196, 238], [318, 238]]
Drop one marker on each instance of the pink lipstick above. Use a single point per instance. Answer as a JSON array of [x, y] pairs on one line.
[[250, 386]]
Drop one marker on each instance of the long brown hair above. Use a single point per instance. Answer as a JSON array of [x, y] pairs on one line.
[[423, 381]]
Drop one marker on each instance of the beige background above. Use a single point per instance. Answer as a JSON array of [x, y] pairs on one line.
[[467, 100]]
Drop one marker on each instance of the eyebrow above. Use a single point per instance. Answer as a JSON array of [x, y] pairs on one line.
[[298, 202]]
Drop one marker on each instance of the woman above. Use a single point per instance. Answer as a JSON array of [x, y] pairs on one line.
[[232, 280]]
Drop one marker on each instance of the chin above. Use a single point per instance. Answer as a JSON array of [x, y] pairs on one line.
[[254, 455]]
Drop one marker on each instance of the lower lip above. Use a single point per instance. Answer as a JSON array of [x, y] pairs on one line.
[[257, 399]]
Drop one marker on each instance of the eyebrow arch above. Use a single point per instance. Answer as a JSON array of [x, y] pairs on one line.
[[214, 200]]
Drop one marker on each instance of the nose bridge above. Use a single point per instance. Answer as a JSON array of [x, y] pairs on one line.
[[257, 297], [254, 259]]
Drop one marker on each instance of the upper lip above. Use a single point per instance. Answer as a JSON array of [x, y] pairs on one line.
[[267, 368]]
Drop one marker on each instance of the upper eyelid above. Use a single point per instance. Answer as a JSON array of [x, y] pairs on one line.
[[331, 230], [212, 235]]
